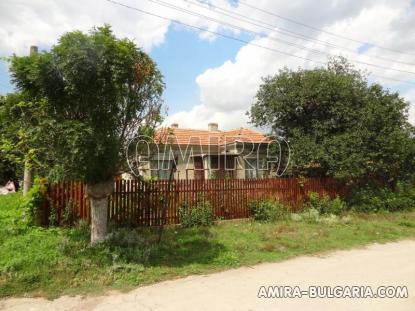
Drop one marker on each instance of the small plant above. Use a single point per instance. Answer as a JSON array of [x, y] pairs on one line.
[[201, 215], [53, 216], [338, 206], [325, 205], [267, 210], [310, 215], [330, 219], [35, 201], [69, 215]]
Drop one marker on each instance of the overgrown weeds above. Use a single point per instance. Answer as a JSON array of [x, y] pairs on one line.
[[200, 215], [59, 260]]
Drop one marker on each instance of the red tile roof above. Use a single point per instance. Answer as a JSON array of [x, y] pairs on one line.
[[181, 136]]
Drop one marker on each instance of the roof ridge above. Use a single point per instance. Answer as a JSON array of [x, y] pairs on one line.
[[220, 131], [189, 129], [206, 137]]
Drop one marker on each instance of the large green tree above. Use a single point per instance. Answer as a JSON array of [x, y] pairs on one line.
[[21, 137], [99, 91], [337, 123]]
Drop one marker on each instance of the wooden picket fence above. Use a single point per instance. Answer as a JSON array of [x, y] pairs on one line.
[[141, 203]]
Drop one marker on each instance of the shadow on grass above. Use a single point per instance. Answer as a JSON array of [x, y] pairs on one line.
[[186, 246], [182, 247], [179, 247]]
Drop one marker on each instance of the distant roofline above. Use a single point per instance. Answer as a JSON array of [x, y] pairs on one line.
[[205, 130], [236, 134]]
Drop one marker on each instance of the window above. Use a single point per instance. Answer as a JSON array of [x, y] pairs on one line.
[[161, 168], [252, 169]]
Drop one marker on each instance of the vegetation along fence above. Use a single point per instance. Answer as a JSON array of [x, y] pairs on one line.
[[141, 202]]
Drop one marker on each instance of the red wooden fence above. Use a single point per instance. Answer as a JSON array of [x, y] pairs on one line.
[[141, 203]]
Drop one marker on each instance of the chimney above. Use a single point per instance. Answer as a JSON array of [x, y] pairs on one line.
[[213, 127], [33, 50], [174, 125]]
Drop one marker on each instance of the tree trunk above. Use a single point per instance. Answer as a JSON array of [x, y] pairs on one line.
[[27, 179], [98, 195]]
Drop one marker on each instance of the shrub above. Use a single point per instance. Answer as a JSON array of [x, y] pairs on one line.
[[310, 215], [201, 215], [53, 216], [330, 219], [267, 210], [325, 205], [35, 201], [69, 215], [307, 215], [373, 198]]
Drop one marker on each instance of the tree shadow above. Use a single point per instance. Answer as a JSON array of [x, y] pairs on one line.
[[181, 247]]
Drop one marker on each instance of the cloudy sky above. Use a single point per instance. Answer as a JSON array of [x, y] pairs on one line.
[[213, 78]]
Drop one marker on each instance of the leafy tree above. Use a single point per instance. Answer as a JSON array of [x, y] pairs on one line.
[[337, 124], [99, 92], [8, 169], [20, 132]]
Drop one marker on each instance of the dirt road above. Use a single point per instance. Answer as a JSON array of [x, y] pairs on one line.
[[376, 265]]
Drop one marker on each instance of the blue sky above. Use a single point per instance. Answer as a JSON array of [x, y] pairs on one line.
[[214, 79], [182, 57], [5, 86]]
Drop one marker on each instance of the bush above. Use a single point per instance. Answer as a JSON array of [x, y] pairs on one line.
[[373, 198], [201, 215], [35, 201], [267, 210], [325, 205], [310, 215], [69, 216]]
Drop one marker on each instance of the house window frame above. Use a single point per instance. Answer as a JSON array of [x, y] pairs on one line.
[[162, 170], [253, 172]]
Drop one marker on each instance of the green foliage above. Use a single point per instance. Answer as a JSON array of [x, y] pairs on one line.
[[69, 216], [128, 245], [53, 216], [35, 201], [37, 261], [267, 210], [12, 216], [325, 205], [22, 126], [307, 215], [336, 123], [200, 215], [374, 198], [96, 91]]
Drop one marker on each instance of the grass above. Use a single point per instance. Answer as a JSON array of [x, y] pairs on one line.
[[54, 261]]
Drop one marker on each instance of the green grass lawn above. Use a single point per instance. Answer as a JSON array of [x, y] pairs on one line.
[[55, 261]]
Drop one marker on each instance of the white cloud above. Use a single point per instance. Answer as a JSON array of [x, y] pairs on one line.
[[410, 96], [227, 91], [41, 22], [200, 116]]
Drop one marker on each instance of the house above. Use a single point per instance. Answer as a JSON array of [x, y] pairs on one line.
[[207, 154]]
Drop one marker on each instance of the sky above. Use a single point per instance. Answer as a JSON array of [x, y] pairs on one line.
[[210, 78]]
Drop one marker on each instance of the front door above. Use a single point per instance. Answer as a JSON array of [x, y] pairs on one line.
[[222, 166], [198, 166]]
